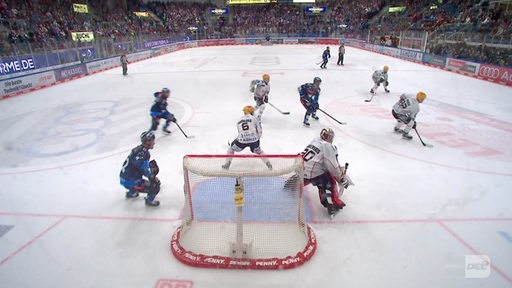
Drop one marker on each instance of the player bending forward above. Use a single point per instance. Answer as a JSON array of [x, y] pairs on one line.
[[380, 77], [261, 89], [136, 166], [322, 169], [405, 111], [309, 94], [249, 134], [159, 111]]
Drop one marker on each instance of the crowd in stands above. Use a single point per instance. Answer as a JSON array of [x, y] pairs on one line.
[[29, 25]]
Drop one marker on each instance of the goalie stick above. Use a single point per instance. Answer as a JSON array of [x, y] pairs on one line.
[[279, 110], [421, 140], [186, 136]]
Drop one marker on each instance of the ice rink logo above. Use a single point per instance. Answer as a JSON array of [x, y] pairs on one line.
[[477, 266]]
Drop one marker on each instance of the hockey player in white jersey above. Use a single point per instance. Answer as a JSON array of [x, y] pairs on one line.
[[322, 169], [261, 89], [249, 134], [380, 77], [405, 111]]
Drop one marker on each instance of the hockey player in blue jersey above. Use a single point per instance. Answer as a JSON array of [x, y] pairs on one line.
[[309, 94], [159, 111], [137, 166]]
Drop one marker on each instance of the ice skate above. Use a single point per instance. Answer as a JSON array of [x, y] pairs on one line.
[[333, 211], [226, 165], [406, 136], [399, 131], [166, 131], [152, 203], [132, 194], [305, 123], [386, 89], [314, 117]]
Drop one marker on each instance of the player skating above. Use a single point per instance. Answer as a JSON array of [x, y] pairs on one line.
[[322, 170], [137, 166], [159, 111], [380, 77], [261, 89], [249, 134], [309, 94], [405, 111], [325, 58]]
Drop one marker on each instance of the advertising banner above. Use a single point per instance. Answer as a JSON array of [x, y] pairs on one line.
[[462, 66], [82, 36], [23, 83], [15, 65], [497, 74], [70, 72]]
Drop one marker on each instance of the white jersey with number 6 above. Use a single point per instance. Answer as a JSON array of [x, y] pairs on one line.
[[249, 129], [407, 105], [321, 157]]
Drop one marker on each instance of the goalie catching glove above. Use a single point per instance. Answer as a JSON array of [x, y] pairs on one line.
[[153, 167]]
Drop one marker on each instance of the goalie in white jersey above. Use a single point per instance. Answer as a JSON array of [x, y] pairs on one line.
[[322, 169], [380, 77], [261, 89], [249, 134], [405, 111]]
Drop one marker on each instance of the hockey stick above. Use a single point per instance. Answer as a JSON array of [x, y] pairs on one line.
[[371, 98], [342, 123], [284, 113], [189, 137], [421, 140]]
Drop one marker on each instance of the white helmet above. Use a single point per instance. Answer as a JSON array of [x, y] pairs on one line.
[[327, 134]]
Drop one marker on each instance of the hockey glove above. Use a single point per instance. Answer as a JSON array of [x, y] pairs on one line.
[[414, 125], [173, 119], [316, 106], [153, 167], [265, 99], [386, 83]]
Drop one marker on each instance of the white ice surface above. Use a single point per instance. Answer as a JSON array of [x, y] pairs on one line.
[[411, 218]]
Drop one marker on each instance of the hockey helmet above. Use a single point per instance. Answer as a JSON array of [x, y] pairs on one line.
[[265, 77], [147, 136], [248, 110], [166, 92], [327, 134], [385, 69], [317, 80], [421, 96]]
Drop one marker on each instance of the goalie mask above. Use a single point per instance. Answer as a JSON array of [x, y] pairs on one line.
[[327, 134]]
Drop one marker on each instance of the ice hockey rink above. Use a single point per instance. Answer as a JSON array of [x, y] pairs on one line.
[[416, 217]]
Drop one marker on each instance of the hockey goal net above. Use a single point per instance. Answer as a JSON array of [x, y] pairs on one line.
[[244, 217]]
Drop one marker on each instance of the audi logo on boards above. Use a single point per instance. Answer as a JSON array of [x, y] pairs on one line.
[[489, 72]]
